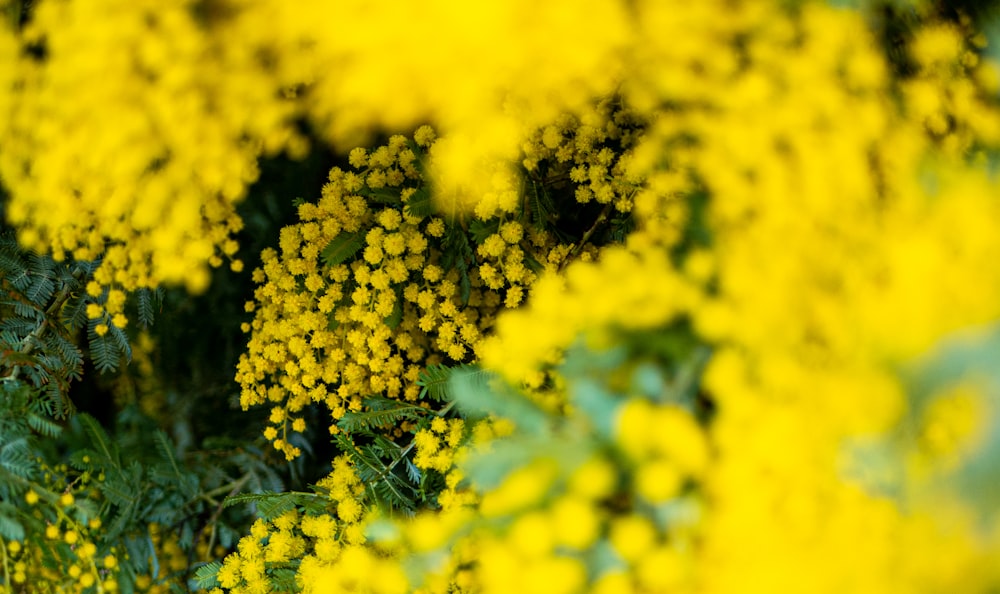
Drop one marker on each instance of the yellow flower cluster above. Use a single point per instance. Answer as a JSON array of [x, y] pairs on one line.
[[474, 70], [435, 446], [367, 290], [819, 251], [945, 94], [595, 146], [106, 308], [324, 545], [834, 252], [173, 104], [144, 166], [815, 218], [551, 524], [952, 427]]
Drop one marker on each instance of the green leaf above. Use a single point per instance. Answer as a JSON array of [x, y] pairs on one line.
[[381, 417], [10, 527], [383, 195], [342, 247], [149, 302], [458, 255], [269, 504], [433, 381], [43, 426], [102, 444], [418, 163], [205, 576], [384, 486], [603, 558], [480, 230], [541, 204], [393, 320], [487, 468], [419, 204], [106, 350], [283, 579], [475, 396], [166, 449], [955, 361]]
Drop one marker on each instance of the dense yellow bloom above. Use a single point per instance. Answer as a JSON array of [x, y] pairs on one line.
[[812, 218], [360, 296], [153, 152]]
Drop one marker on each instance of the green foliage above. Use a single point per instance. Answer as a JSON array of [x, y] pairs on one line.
[[148, 303], [387, 482], [43, 307], [541, 209], [272, 504], [33, 341], [204, 576], [342, 247], [434, 381], [22, 419], [133, 473], [971, 360], [380, 413], [419, 203], [477, 397]]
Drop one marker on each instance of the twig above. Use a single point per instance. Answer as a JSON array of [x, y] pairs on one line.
[[573, 253]]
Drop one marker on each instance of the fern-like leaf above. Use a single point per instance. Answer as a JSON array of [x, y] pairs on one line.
[[148, 303], [270, 505], [205, 576], [383, 195], [476, 395], [10, 527], [166, 450], [74, 313], [414, 473], [283, 579], [110, 350], [480, 230], [342, 247], [383, 413], [434, 381], [541, 204], [16, 458], [419, 203], [386, 488], [102, 444], [42, 285], [43, 426]]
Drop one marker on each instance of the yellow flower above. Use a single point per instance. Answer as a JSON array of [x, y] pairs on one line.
[[632, 536], [658, 481], [349, 510], [575, 522], [424, 136]]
